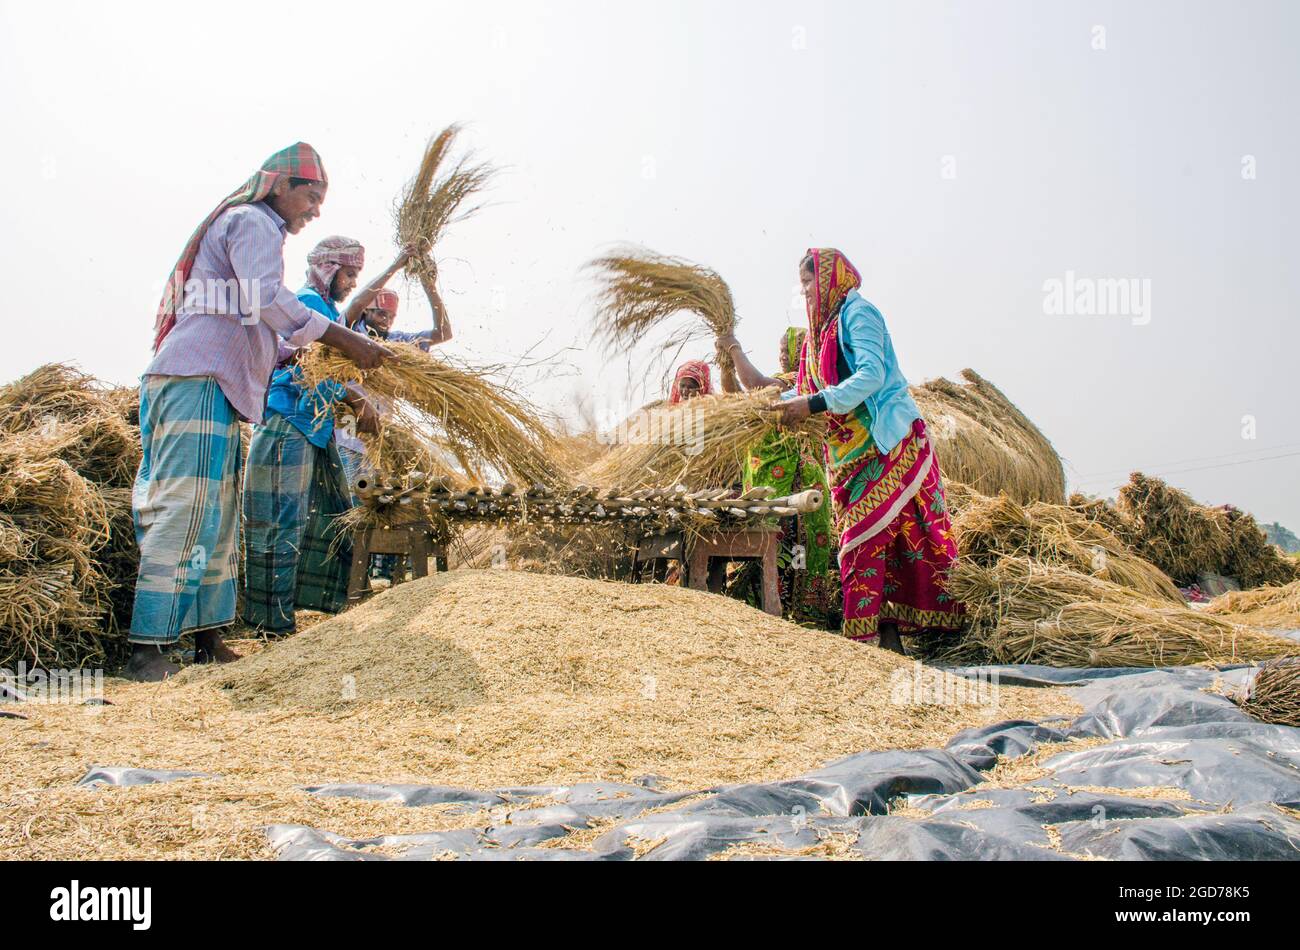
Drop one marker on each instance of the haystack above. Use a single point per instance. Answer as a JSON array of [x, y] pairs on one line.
[[982, 439], [1104, 512], [1252, 560], [1184, 538], [1025, 611], [68, 454], [989, 529]]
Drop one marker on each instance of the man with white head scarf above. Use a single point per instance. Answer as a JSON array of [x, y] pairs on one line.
[[295, 484]]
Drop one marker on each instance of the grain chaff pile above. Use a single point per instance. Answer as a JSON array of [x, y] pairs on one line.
[[475, 679]]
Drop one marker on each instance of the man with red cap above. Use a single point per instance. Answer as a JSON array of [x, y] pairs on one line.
[[216, 335], [378, 318]]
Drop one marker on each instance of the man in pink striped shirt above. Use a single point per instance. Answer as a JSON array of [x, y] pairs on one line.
[[218, 334]]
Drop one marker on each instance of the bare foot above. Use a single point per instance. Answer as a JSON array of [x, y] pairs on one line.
[[148, 665], [210, 648]]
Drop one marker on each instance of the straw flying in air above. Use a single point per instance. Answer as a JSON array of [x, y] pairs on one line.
[[641, 291], [441, 193]]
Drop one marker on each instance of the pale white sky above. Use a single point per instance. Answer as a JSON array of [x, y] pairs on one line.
[[961, 154]]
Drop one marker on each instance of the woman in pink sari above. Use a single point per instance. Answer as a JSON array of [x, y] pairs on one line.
[[896, 540]]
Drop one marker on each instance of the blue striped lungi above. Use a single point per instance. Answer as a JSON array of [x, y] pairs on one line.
[[293, 556], [185, 505]]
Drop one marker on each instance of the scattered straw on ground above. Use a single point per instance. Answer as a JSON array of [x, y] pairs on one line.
[[830, 846], [1273, 608], [475, 678]]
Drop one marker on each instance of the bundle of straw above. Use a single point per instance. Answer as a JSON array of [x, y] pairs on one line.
[[78, 419], [463, 413], [1274, 693], [989, 529], [435, 198], [1252, 560], [641, 290], [1022, 611], [1104, 512], [982, 439], [1274, 608], [55, 608], [1173, 532], [699, 443]]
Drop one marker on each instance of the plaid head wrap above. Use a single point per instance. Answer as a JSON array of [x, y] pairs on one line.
[[297, 161], [327, 257]]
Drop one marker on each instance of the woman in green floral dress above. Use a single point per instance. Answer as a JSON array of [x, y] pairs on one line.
[[808, 572]]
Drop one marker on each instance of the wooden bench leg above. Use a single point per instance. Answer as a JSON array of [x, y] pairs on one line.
[[771, 587], [697, 568], [359, 576], [419, 556]]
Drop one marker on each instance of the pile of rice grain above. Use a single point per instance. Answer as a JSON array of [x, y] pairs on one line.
[[474, 679], [546, 678]]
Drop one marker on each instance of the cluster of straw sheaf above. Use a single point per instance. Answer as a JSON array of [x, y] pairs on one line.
[[1273, 694], [1185, 539], [438, 195], [1045, 584], [69, 448]]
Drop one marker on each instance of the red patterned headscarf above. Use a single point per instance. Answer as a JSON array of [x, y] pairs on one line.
[[834, 277], [327, 257], [385, 300], [697, 370], [297, 161]]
